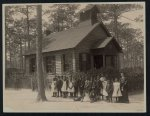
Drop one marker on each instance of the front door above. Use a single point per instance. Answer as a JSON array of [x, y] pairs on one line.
[[85, 61], [98, 61]]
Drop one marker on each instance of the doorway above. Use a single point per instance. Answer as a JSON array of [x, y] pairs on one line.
[[98, 61]]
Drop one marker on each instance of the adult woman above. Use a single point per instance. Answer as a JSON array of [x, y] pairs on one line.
[[124, 89]]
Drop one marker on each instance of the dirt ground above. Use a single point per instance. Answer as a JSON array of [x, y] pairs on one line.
[[24, 100]]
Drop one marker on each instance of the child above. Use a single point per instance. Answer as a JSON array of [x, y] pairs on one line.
[[93, 91], [54, 87], [117, 90], [98, 88], [76, 85], [85, 96], [71, 88], [104, 84], [64, 87], [59, 86], [81, 86], [109, 89]]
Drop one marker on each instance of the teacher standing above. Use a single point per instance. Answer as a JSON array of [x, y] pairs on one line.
[[124, 89]]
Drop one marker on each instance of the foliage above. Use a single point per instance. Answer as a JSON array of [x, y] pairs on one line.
[[135, 78], [11, 74], [63, 16]]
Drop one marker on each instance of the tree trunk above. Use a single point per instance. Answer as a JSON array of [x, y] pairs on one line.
[[115, 28], [6, 49], [21, 56], [28, 36], [41, 90], [10, 60]]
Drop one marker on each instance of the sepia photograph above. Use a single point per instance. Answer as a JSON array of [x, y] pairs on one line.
[[74, 57]]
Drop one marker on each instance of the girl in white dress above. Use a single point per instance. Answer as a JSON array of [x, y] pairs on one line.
[[71, 88], [54, 87], [104, 92], [117, 91], [104, 84], [64, 87]]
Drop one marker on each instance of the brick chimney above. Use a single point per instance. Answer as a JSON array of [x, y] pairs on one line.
[[90, 14]]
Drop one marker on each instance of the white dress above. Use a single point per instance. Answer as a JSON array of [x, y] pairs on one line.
[[54, 89], [117, 91], [86, 97], [71, 88], [104, 92], [64, 87]]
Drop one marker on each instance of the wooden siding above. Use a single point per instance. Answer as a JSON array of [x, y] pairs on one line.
[[73, 62], [88, 42], [58, 64], [110, 49], [58, 61]]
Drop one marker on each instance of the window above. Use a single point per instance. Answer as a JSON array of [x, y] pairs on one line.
[[65, 63], [32, 65], [85, 61], [50, 64]]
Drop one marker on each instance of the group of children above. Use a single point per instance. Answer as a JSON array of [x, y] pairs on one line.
[[61, 86], [98, 88]]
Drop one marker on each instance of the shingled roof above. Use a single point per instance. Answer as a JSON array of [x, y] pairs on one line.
[[66, 39], [104, 42]]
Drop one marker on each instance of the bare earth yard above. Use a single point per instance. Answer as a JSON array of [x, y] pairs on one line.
[[24, 101]]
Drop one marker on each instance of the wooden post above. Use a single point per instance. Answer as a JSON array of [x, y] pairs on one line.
[[73, 62], [43, 65], [92, 62], [118, 61], [103, 61]]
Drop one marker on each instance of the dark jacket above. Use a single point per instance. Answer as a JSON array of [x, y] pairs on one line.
[[59, 84], [109, 88], [82, 83]]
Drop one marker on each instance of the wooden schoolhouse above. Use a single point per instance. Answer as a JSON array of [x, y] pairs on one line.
[[89, 45]]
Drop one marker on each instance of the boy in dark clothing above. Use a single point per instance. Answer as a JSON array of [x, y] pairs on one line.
[[81, 86], [109, 89], [59, 86], [76, 85], [99, 87], [93, 92], [86, 92]]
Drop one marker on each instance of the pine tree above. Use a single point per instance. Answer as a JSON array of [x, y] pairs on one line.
[[41, 90]]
